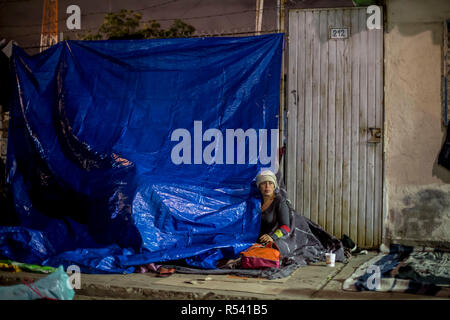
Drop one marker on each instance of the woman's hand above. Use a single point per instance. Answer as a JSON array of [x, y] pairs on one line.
[[265, 238]]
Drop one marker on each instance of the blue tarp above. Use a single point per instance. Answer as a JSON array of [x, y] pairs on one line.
[[123, 153]]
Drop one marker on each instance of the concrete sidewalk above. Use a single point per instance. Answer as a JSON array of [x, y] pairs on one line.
[[316, 281]]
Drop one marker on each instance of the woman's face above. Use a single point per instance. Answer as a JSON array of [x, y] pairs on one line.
[[266, 188]]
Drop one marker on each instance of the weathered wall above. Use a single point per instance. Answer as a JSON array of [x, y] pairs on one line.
[[417, 189]]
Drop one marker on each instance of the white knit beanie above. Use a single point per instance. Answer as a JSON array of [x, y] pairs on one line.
[[266, 175]]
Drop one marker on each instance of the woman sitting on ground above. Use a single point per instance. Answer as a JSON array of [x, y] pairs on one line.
[[307, 242], [274, 209]]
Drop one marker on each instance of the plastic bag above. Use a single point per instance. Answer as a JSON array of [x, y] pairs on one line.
[[54, 287]]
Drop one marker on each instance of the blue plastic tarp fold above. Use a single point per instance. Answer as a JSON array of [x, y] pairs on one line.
[[122, 153]]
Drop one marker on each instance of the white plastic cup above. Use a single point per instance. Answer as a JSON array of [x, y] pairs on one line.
[[330, 258]]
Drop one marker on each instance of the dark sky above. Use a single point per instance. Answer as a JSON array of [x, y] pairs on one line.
[[21, 19]]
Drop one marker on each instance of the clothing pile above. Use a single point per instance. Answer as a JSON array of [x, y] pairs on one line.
[[404, 269]]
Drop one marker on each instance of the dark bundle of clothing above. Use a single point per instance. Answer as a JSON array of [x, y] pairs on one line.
[[307, 242], [444, 155]]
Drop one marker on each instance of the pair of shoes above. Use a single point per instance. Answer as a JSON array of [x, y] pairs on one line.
[[350, 245], [230, 264]]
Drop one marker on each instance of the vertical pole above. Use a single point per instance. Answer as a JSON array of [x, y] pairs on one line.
[[49, 27], [281, 29], [446, 70], [55, 22], [43, 27], [259, 16], [278, 15]]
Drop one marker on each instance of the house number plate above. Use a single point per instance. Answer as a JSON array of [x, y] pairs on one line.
[[339, 33]]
